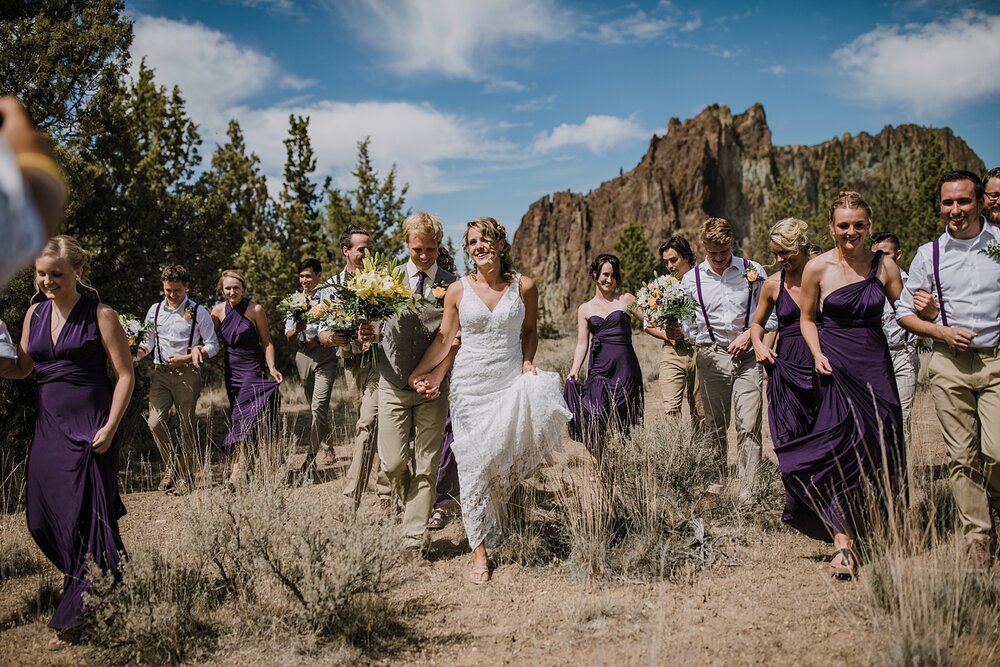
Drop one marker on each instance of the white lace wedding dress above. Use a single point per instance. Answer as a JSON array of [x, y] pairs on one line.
[[506, 423]]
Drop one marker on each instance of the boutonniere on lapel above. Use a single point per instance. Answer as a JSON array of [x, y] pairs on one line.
[[188, 311], [438, 290], [752, 275], [992, 250]]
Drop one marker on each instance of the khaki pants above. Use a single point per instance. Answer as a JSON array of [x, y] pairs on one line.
[[679, 378], [317, 383], [906, 365], [401, 411], [178, 388], [363, 383], [728, 382], [966, 391]]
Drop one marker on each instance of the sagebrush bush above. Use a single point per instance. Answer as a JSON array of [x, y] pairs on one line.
[[265, 563], [636, 513]]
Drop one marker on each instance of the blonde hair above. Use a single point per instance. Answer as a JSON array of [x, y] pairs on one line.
[[849, 199], [69, 248], [231, 273], [423, 224], [496, 234], [717, 231], [790, 234]]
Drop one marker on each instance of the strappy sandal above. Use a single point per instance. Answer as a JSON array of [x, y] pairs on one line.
[[480, 574], [847, 569], [437, 520]]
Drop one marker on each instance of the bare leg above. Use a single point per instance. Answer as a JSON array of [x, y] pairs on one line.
[[843, 563]]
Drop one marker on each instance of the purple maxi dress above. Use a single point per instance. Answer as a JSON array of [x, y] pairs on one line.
[[73, 502], [791, 405], [612, 395], [253, 395], [854, 452]]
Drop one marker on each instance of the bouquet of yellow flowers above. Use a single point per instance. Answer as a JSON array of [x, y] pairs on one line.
[[136, 331], [295, 306], [339, 315], [663, 301], [377, 291]]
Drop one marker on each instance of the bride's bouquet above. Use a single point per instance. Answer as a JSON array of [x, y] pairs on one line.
[[377, 291], [295, 306], [136, 331], [663, 302]]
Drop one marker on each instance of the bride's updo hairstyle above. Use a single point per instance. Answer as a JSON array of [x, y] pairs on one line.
[[495, 233], [68, 248], [790, 234], [597, 264]]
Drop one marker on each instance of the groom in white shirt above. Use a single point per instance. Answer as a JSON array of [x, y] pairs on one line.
[[726, 289]]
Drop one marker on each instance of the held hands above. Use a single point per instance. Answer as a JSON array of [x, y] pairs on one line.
[[740, 345], [823, 365], [428, 386], [957, 338]]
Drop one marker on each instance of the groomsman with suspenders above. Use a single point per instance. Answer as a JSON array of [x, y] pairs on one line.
[[726, 289], [964, 369], [182, 337], [317, 365]]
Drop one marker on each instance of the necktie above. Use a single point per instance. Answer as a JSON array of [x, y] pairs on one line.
[[419, 291]]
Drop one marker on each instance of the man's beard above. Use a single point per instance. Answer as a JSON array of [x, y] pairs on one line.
[[993, 214]]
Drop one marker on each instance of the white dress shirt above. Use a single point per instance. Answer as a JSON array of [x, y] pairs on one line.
[[725, 301], [895, 334], [7, 350], [970, 284], [20, 226], [411, 274], [311, 331], [174, 330]]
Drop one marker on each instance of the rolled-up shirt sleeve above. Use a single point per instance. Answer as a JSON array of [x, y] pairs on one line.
[[206, 329], [920, 277]]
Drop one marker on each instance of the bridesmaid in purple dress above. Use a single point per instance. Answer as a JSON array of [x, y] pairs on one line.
[[855, 452], [253, 396], [73, 502], [611, 398], [791, 399]]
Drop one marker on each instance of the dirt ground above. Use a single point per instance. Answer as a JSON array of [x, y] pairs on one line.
[[771, 601]]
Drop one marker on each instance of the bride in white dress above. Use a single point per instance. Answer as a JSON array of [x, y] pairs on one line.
[[507, 416]]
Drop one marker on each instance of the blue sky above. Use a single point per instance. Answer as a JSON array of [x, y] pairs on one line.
[[487, 105]]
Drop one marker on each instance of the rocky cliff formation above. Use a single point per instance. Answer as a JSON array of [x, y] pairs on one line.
[[715, 164]]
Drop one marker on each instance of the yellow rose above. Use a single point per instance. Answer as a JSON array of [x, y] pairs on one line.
[[652, 302], [131, 342], [752, 275], [656, 292], [439, 292], [187, 314], [317, 311]]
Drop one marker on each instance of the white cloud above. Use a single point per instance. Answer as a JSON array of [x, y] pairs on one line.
[[420, 139], [777, 70], [596, 133], [638, 27], [456, 38], [504, 87], [536, 104], [212, 70], [933, 68]]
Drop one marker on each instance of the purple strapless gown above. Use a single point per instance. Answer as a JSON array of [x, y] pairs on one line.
[[612, 394], [855, 448], [791, 404], [253, 395], [73, 502]]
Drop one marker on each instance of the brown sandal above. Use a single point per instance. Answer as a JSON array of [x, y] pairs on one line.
[[480, 574]]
